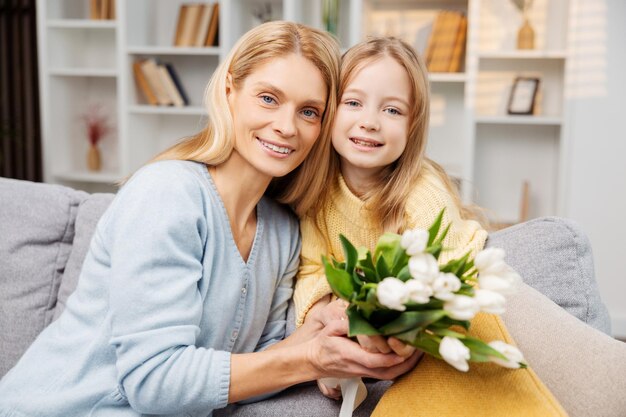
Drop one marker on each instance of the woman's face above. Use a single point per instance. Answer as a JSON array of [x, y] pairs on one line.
[[277, 114], [371, 127]]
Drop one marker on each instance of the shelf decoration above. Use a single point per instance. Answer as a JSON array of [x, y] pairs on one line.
[[97, 127], [526, 33], [523, 96], [263, 13], [330, 15]]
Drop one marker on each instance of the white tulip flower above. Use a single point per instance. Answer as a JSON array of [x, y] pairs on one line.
[[424, 267], [455, 353], [418, 292], [504, 281], [445, 285], [461, 307], [392, 293], [515, 358], [489, 260], [414, 241], [490, 301]]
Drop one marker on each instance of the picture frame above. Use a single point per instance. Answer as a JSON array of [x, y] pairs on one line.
[[523, 95]]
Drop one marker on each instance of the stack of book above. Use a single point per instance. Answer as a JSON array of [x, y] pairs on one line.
[[446, 44], [197, 25], [102, 9], [159, 83]]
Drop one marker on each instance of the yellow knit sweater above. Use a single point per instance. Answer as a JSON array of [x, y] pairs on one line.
[[433, 388]]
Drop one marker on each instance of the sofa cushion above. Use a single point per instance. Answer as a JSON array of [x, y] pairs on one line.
[[89, 213], [554, 256], [36, 229]]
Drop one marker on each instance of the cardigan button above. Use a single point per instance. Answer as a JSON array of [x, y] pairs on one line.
[[244, 290]]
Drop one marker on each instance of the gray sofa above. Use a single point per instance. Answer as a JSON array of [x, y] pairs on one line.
[[45, 232]]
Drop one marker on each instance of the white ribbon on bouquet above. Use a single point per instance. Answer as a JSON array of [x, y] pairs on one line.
[[353, 391]]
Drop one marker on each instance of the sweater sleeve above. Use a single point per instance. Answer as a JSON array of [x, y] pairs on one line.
[[426, 201], [155, 236], [311, 284]]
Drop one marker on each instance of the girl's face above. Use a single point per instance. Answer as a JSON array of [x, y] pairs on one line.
[[372, 122], [277, 114]]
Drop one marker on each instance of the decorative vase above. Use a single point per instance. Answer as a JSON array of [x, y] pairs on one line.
[[94, 162], [330, 14], [526, 36]]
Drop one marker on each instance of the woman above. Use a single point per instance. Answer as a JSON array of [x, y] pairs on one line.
[[182, 299]]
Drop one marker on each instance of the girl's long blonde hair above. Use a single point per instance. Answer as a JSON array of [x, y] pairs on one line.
[[214, 144], [391, 190]]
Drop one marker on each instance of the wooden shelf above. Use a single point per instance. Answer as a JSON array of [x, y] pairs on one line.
[[173, 50], [83, 72], [447, 77], [523, 55], [81, 24], [520, 120], [187, 111]]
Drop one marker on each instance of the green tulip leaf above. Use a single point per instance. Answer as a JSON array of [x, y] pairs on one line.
[[339, 280], [404, 274], [386, 247], [382, 269], [350, 252], [481, 350], [358, 325], [411, 320], [434, 228]]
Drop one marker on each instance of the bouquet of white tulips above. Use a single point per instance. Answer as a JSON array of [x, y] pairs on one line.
[[402, 291]]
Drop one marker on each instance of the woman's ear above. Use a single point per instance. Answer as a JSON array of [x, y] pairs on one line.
[[229, 84]]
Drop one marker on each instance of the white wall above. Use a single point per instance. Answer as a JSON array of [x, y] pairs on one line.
[[595, 183]]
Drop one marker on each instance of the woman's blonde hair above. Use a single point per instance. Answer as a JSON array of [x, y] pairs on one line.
[[391, 190], [214, 144]]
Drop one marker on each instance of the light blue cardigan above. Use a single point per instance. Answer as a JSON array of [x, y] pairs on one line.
[[163, 298]]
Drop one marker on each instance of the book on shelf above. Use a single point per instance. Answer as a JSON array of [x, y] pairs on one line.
[[159, 83], [151, 72], [142, 83], [170, 87], [212, 37], [459, 46], [102, 9], [446, 44], [197, 25], [176, 80]]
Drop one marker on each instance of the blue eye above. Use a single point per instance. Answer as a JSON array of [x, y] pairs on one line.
[[393, 111], [267, 99], [352, 103], [309, 113]]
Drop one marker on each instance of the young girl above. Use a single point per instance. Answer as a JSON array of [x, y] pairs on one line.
[[381, 181], [182, 299]]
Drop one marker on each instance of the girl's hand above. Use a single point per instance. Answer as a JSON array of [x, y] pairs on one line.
[[324, 311], [378, 344], [330, 392]]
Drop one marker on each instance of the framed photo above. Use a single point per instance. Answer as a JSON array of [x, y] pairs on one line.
[[523, 95]]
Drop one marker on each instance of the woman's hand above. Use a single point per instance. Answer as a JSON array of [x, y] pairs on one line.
[[333, 355]]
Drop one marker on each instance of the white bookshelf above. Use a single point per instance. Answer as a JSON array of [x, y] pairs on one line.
[[84, 61]]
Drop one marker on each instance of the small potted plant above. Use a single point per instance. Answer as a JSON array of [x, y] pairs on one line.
[[96, 127]]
